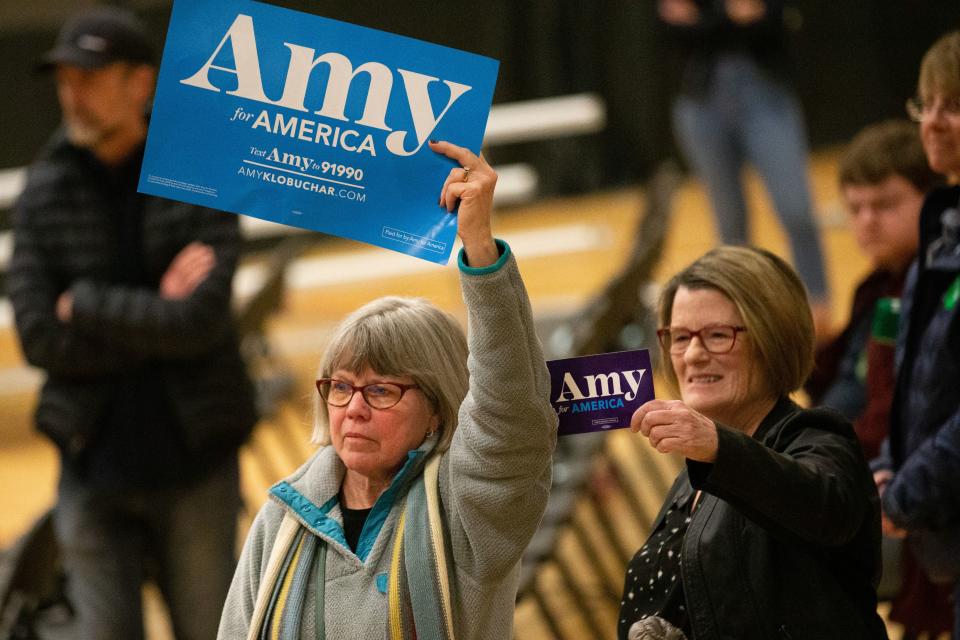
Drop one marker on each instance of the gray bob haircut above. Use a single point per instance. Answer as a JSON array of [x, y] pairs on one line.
[[397, 336], [772, 300]]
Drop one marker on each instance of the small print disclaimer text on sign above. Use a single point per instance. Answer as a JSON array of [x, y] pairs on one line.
[[414, 240], [184, 186]]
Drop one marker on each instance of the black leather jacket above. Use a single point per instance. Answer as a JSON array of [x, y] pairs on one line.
[[786, 540]]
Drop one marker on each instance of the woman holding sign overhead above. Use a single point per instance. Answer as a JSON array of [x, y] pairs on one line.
[[772, 529], [434, 469]]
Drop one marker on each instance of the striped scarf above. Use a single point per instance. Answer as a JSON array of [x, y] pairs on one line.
[[418, 587]]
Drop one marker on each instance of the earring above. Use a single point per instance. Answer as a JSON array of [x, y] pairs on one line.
[[430, 434]]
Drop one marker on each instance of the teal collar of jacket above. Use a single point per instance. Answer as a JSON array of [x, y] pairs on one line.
[[311, 495]]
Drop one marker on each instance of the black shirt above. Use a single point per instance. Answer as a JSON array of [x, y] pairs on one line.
[[353, 520]]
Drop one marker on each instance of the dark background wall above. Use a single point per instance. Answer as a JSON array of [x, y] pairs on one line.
[[856, 63]]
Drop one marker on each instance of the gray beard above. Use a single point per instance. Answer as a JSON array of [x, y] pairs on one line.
[[86, 136]]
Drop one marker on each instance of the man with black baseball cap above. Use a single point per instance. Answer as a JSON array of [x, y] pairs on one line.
[[124, 300], [103, 61], [98, 37]]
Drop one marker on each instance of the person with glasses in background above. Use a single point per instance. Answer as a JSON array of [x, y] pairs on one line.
[[883, 179], [919, 478], [434, 466], [772, 529]]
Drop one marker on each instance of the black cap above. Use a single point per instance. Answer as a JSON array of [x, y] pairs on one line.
[[100, 36]]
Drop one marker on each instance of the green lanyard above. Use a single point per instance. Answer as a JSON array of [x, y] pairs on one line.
[[952, 295]]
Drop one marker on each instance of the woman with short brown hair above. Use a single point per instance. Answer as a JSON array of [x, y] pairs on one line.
[[772, 528]]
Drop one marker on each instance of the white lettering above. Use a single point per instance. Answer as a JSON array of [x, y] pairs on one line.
[[569, 386], [342, 74], [609, 385], [244, 45], [418, 97], [605, 379], [303, 61], [634, 384]]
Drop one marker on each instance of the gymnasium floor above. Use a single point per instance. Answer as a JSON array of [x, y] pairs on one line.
[[567, 250]]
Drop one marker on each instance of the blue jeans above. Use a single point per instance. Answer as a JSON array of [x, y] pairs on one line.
[[111, 542], [747, 116]]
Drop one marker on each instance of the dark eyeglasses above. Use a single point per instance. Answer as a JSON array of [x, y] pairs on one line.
[[715, 338], [379, 395]]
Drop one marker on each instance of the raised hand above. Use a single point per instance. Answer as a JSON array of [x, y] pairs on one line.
[[471, 185]]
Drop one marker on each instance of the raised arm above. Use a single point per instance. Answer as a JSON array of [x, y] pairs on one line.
[[497, 475]]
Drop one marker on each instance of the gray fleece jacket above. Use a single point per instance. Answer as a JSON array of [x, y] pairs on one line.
[[494, 482]]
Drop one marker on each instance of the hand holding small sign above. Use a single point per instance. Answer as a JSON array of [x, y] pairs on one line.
[[673, 427]]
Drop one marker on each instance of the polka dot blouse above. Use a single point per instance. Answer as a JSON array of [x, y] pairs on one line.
[[653, 586]]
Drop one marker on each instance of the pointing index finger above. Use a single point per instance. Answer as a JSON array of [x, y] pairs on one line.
[[464, 156]]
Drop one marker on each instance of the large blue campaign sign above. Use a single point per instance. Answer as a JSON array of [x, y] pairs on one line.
[[312, 122]]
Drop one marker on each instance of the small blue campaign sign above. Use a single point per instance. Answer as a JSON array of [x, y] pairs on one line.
[[599, 392], [314, 123]]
